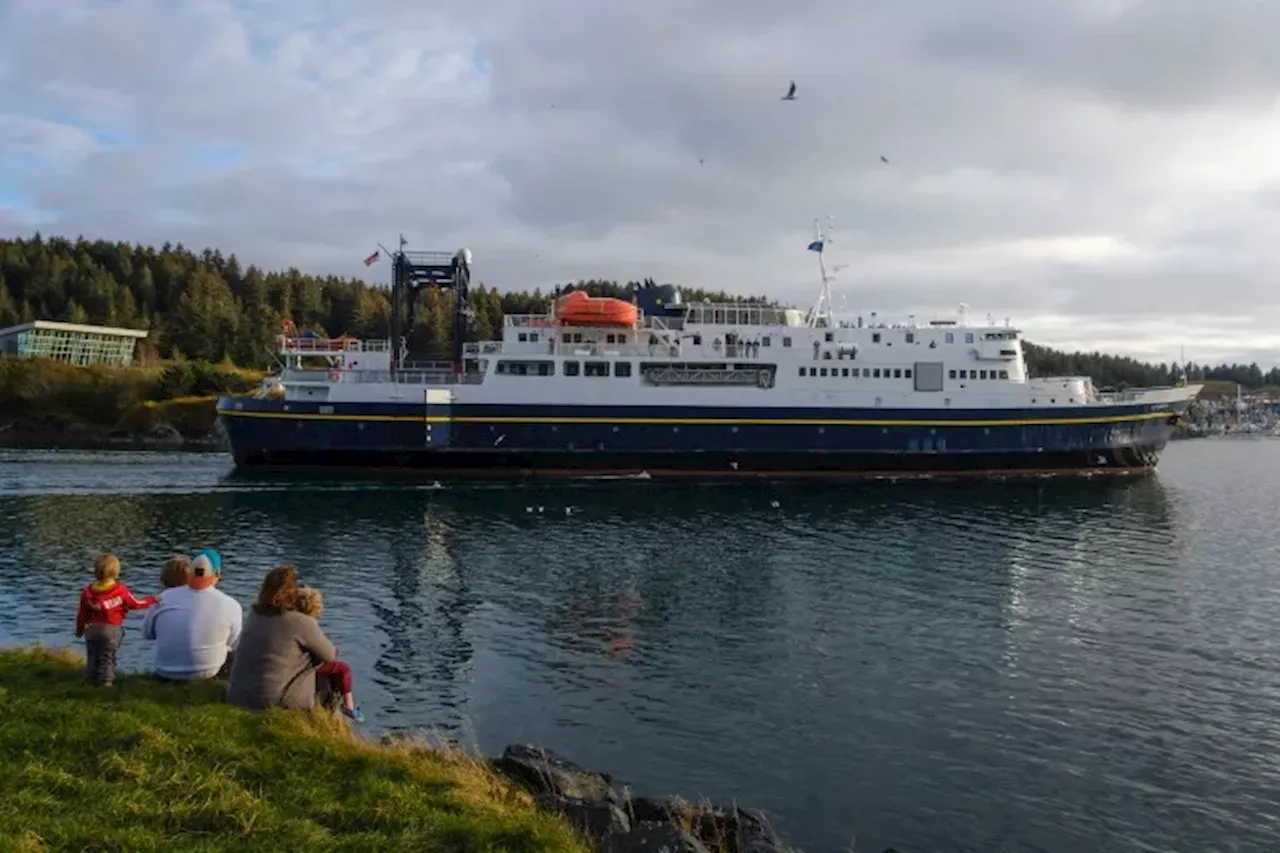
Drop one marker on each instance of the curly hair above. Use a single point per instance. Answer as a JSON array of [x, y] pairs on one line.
[[279, 591], [177, 571], [310, 601]]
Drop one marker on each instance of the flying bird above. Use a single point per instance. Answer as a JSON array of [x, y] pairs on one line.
[[884, 159], [791, 93]]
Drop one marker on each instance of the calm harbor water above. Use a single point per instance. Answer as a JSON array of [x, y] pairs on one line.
[[1015, 666]]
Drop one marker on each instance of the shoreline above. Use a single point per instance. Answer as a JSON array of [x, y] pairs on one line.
[[377, 794]]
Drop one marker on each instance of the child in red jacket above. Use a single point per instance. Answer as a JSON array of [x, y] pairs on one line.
[[103, 606]]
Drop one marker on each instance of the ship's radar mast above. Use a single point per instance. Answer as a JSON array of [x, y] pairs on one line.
[[821, 314]]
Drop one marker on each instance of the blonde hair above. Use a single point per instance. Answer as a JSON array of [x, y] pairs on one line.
[[106, 568], [310, 601], [177, 571]]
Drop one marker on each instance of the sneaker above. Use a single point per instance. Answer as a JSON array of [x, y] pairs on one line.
[[354, 714]]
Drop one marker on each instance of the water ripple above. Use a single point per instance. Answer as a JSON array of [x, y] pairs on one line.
[[1036, 666]]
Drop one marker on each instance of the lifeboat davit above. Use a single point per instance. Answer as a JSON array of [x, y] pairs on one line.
[[579, 309]]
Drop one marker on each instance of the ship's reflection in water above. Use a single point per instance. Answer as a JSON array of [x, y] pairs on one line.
[[936, 665]]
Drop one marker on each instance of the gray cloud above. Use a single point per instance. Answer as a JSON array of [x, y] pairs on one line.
[[1048, 159]]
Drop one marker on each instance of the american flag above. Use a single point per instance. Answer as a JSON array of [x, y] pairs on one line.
[[372, 259]]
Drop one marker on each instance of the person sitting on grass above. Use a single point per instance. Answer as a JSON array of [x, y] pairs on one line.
[[100, 618], [197, 626], [177, 572], [280, 649], [311, 603]]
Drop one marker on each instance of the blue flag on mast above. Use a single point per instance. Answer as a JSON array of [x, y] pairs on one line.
[[816, 246]]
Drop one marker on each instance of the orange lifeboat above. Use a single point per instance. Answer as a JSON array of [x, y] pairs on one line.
[[579, 309]]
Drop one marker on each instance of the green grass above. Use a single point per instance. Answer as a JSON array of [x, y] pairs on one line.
[[150, 766]]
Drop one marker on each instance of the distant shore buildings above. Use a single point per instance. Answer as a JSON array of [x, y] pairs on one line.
[[74, 343]]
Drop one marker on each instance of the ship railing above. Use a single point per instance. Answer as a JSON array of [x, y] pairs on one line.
[[434, 376], [537, 321], [607, 350], [330, 346], [1132, 395], [474, 348]]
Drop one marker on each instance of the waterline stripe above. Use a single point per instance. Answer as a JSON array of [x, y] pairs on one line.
[[445, 419]]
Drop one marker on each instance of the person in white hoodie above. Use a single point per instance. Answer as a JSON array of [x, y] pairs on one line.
[[196, 627]]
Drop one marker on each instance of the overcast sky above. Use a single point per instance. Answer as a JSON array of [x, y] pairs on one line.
[[1104, 172]]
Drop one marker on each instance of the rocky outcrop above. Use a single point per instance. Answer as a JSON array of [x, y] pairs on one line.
[[624, 824]]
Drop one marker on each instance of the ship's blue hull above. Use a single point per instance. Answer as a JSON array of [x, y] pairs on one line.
[[504, 440]]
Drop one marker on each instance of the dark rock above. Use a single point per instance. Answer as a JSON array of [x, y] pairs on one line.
[[653, 838], [597, 818], [729, 829], [543, 772]]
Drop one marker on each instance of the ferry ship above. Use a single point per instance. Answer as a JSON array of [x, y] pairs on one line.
[[653, 386]]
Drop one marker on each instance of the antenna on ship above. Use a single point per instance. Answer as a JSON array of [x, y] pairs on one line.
[[822, 309]]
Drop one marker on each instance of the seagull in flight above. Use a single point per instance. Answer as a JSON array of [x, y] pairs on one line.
[[791, 93], [884, 159]]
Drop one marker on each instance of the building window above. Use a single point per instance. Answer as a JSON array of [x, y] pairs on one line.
[[595, 368], [622, 369], [571, 368]]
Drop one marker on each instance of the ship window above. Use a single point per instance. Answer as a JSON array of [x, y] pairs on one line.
[[522, 337], [875, 338], [911, 337], [533, 337], [764, 342], [876, 374], [866, 372], [982, 374], [951, 339], [622, 368], [907, 373], [951, 374], [897, 373], [822, 372], [1004, 374], [968, 337], [829, 337], [571, 368], [697, 340], [609, 338], [813, 371], [845, 372], [802, 371], [595, 368], [622, 339], [546, 368], [786, 342]]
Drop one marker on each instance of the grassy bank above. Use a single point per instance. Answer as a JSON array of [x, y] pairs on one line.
[[151, 766], [51, 403]]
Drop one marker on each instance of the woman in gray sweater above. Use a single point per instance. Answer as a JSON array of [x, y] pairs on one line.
[[280, 648]]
